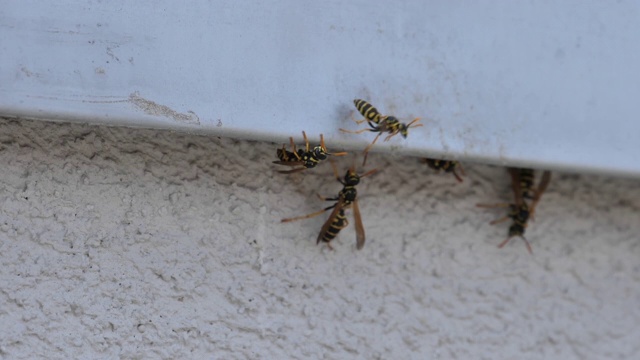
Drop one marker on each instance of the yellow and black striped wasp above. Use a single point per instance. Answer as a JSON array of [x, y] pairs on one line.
[[347, 198], [447, 166], [379, 123], [522, 185], [307, 158]]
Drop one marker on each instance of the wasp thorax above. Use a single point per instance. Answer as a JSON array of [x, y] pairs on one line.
[[349, 195]]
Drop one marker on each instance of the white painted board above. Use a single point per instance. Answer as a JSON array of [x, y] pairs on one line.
[[543, 83]]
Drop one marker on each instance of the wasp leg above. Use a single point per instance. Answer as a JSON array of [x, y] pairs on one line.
[[498, 221], [457, 176], [308, 216], [366, 150], [293, 148], [357, 122], [326, 198], [390, 136], [306, 141], [356, 132]]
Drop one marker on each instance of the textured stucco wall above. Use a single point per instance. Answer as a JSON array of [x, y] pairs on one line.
[[151, 244]]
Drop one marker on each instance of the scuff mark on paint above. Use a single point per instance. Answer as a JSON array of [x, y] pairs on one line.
[[153, 108]]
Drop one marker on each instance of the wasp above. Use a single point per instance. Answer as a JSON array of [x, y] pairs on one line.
[[447, 166], [379, 123], [347, 198], [307, 158], [520, 212]]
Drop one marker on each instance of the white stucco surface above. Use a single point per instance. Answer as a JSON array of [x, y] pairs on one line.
[[127, 243]]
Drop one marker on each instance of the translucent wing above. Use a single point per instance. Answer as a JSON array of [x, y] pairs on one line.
[[359, 227], [544, 183], [291, 171], [289, 163]]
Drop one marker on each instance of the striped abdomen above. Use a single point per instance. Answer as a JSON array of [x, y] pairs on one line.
[[368, 111], [339, 222], [445, 165], [520, 216], [287, 156], [527, 179]]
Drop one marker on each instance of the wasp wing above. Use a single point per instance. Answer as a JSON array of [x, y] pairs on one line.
[[359, 227], [292, 171], [544, 183], [289, 163]]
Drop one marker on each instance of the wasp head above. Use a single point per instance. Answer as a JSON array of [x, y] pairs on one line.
[[404, 130], [351, 178], [516, 230], [319, 153]]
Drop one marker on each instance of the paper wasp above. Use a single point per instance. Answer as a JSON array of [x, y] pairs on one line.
[[379, 123], [520, 212], [347, 198], [447, 166], [307, 158]]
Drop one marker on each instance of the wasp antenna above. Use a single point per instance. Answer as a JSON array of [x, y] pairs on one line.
[[352, 168], [414, 121], [370, 172], [502, 244], [461, 169], [526, 242]]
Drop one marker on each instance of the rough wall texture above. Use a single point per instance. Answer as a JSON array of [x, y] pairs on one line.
[[121, 243]]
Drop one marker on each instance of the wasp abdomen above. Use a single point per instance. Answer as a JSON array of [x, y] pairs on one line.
[[367, 110]]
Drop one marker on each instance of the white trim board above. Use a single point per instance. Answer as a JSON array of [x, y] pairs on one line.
[[544, 84]]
